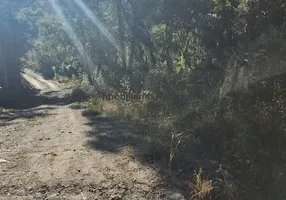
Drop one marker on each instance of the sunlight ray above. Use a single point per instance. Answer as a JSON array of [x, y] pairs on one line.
[[97, 23], [72, 35]]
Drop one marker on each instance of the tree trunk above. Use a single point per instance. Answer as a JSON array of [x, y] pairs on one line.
[[10, 59], [169, 37], [121, 32], [13, 75], [133, 27], [99, 51]]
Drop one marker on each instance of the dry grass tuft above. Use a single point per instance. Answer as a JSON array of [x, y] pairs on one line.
[[201, 188], [106, 107], [109, 107], [128, 151]]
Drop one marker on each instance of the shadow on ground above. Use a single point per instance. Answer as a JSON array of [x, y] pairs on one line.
[[6, 118], [26, 99], [109, 134], [25, 104], [112, 135]]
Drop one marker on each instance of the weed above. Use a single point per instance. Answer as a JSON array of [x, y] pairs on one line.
[[201, 188]]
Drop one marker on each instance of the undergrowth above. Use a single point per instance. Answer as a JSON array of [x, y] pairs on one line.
[[236, 159], [236, 154]]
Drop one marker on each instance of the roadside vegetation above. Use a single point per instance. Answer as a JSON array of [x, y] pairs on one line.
[[203, 81]]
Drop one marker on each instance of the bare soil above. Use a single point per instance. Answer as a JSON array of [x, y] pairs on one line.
[[44, 154]]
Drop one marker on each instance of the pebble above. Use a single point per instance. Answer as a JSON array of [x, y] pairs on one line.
[[53, 196], [3, 161], [115, 197], [176, 196]]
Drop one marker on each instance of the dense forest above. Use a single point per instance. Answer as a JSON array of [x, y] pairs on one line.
[[206, 79]]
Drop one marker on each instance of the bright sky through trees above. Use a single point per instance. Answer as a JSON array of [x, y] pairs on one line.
[[97, 23], [71, 33]]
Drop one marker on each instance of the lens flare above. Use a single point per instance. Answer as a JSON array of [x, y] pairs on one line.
[[72, 35], [97, 23]]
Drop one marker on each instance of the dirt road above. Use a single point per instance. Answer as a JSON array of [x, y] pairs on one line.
[[38, 82], [44, 154]]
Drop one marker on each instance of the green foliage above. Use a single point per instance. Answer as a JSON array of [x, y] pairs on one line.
[[180, 53]]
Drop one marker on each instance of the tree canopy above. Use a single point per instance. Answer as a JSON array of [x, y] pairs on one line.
[[202, 52]]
